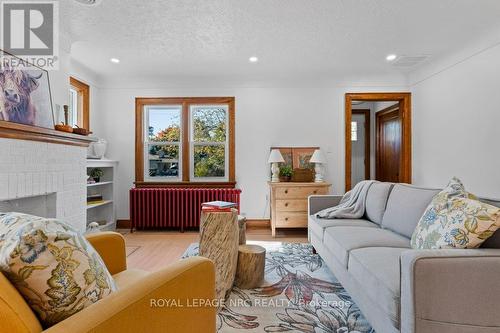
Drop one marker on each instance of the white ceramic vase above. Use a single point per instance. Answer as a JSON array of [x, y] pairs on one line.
[[100, 148]]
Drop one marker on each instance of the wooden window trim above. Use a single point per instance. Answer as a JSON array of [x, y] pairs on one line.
[[141, 102], [187, 184], [83, 90]]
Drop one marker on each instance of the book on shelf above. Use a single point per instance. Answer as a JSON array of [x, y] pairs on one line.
[[219, 204], [90, 203], [93, 199], [213, 209]]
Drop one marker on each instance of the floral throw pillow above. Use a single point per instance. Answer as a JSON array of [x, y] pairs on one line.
[[52, 265], [455, 219]]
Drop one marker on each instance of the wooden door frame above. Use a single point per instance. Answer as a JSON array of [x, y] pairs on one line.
[[366, 113], [378, 116], [404, 99]]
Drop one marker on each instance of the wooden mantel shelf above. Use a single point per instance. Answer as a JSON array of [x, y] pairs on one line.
[[24, 132]]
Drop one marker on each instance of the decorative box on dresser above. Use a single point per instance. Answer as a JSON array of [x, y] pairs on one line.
[[289, 203]]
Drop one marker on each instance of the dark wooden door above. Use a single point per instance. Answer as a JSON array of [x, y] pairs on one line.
[[388, 150]]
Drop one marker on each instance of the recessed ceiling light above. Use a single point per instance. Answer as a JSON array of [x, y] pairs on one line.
[[253, 59], [391, 57], [115, 60]]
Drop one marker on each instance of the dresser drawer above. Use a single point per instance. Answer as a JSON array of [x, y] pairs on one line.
[[291, 220], [291, 205], [293, 192]]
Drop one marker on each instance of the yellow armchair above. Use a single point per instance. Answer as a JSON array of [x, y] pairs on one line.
[[162, 301]]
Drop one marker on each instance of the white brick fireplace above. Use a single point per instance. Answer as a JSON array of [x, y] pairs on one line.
[[44, 179]]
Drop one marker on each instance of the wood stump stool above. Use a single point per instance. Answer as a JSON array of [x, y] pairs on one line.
[[251, 264], [242, 224], [219, 235]]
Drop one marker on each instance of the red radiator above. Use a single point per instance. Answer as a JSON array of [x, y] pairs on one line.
[[156, 208]]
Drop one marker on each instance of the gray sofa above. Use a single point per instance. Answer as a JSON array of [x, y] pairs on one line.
[[399, 289]]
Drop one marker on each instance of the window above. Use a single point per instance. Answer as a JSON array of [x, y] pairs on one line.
[[209, 142], [185, 140], [162, 142], [79, 101], [354, 131]]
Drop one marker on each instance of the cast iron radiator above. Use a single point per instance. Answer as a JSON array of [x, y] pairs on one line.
[[179, 208]]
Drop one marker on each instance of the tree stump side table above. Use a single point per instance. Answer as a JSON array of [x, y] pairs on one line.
[[219, 234], [242, 224], [251, 264]]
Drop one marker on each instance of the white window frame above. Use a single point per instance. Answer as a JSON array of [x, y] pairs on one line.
[[148, 143], [192, 144]]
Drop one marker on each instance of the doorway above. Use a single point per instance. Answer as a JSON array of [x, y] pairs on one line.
[[360, 143], [388, 148], [378, 137]]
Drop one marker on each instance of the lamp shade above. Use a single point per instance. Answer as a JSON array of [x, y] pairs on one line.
[[317, 157], [275, 157]]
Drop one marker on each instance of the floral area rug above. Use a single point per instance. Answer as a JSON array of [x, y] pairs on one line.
[[299, 294]]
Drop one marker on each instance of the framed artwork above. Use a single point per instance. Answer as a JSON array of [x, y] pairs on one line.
[[287, 155], [25, 96], [297, 157]]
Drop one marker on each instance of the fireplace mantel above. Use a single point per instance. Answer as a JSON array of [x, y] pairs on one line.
[[25, 132]]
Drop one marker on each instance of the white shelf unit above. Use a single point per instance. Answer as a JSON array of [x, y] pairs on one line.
[[103, 212]]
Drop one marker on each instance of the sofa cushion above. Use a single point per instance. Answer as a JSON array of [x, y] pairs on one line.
[[377, 269], [52, 265], [16, 315], [405, 207], [494, 241], [376, 201], [318, 225], [455, 219], [341, 240]]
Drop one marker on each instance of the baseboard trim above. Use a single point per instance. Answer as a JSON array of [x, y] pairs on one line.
[[123, 224], [258, 223], [251, 223]]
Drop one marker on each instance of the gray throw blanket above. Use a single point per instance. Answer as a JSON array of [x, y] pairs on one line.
[[352, 204]]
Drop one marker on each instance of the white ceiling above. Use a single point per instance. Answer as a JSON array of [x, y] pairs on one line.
[[314, 38]]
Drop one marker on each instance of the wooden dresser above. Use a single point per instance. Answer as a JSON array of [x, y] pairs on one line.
[[289, 203]]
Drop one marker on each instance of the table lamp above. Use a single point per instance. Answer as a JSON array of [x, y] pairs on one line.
[[274, 158], [318, 159]]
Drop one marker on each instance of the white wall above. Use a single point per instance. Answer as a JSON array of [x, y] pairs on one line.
[[456, 115], [266, 115]]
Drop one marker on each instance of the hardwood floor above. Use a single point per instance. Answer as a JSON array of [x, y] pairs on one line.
[[151, 250]]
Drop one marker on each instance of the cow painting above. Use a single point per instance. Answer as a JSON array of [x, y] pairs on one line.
[[25, 98]]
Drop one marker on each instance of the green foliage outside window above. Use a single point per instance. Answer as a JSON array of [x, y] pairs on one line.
[[209, 161], [209, 125]]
